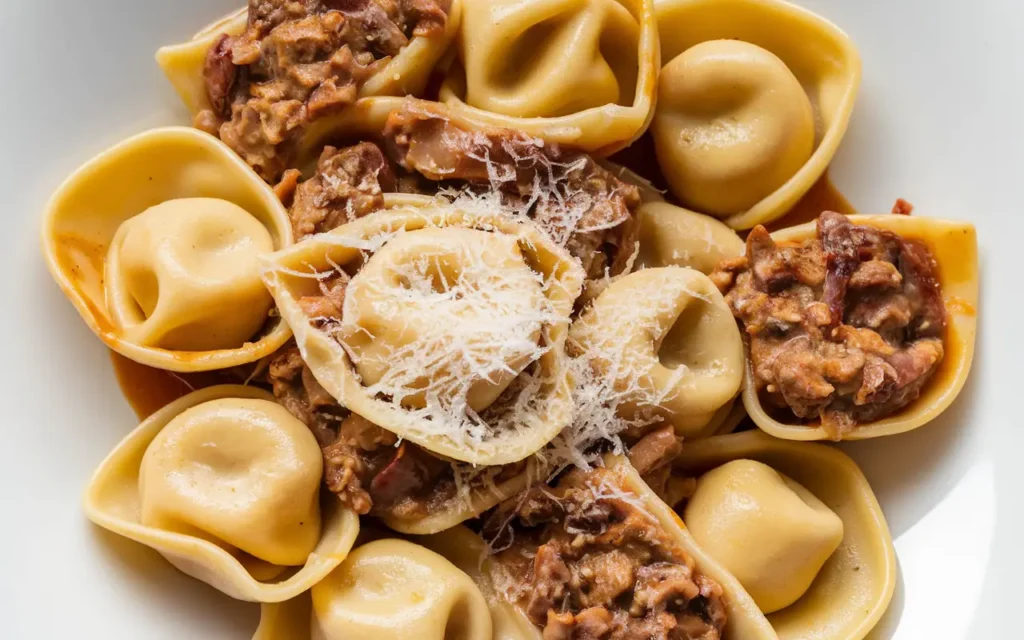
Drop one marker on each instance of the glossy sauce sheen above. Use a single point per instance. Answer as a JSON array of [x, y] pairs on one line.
[[147, 389]]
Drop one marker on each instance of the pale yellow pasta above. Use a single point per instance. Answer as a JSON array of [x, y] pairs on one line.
[[673, 236], [225, 484], [754, 98], [767, 530], [419, 355], [733, 125], [798, 526], [578, 72], [156, 243], [408, 278], [668, 340], [385, 589], [184, 275]]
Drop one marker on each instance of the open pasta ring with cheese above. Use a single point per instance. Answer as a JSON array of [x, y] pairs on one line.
[[443, 325], [225, 484], [386, 588], [156, 243], [798, 526], [598, 549], [579, 73], [678, 357], [753, 100], [906, 340], [236, 76]]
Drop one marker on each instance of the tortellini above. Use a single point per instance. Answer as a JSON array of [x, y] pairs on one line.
[[407, 278], [157, 244], [668, 340], [734, 125], [767, 530], [751, 110], [384, 589], [184, 275], [225, 484], [798, 526], [578, 72], [451, 332], [673, 236], [954, 245]]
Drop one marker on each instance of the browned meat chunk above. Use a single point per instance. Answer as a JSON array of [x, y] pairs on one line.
[[600, 568], [298, 61], [846, 327], [348, 184], [363, 463], [654, 450], [580, 204]]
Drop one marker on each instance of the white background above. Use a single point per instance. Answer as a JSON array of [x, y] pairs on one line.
[[939, 122]]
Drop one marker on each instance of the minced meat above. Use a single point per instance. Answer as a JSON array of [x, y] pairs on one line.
[[299, 60], [585, 561], [367, 466], [575, 200], [847, 327], [349, 183]]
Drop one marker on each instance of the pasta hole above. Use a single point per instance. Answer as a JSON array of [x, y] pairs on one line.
[[682, 346]]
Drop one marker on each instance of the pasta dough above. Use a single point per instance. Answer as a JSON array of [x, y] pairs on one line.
[[468, 302], [766, 509], [676, 355], [782, 57], [242, 471], [576, 72], [155, 242], [387, 588], [185, 275], [225, 483], [550, 58], [673, 236], [733, 125], [499, 279], [767, 530]]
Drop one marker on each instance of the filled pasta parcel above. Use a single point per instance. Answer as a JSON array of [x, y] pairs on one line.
[[444, 325]]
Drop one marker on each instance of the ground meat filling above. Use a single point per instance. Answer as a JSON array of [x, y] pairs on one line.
[[299, 60], [364, 464], [847, 327], [349, 183], [586, 562], [579, 203]]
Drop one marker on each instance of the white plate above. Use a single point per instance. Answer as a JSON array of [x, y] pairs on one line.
[[939, 122]]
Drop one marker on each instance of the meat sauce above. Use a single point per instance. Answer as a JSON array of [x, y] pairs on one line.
[[585, 561], [844, 328]]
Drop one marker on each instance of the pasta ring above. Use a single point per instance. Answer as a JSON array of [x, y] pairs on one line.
[[854, 586], [678, 358], [818, 54], [292, 274], [186, 531], [130, 193]]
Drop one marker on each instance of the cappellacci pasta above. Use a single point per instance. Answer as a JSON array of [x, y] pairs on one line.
[[577, 73], [225, 484], [385, 588], [410, 295], [676, 357], [798, 526], [156, 243], [747, 120], [445, 312]]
